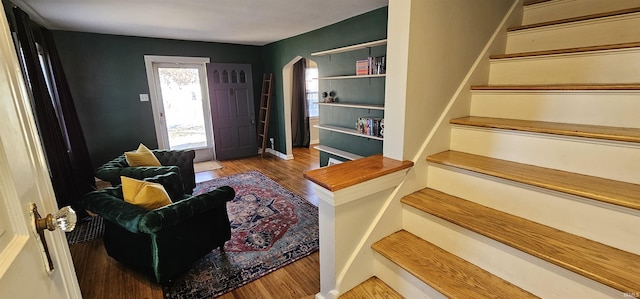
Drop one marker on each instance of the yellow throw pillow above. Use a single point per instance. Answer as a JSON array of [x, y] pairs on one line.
[[142, 157], [147, 195]]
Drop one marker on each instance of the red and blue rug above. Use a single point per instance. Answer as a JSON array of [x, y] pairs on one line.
[[271, 227]]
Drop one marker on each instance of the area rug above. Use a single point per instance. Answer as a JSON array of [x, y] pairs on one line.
[[206, 166], [86, 231], [271, 227]]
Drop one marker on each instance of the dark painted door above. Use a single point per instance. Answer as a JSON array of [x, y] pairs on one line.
[[233, 117]]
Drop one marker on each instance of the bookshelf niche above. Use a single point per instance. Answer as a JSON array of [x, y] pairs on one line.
[[349, 126]]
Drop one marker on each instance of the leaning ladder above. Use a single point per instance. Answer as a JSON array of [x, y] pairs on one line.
[[265, 108]]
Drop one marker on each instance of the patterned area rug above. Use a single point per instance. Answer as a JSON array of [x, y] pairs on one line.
[[85, 231], [271, 227]]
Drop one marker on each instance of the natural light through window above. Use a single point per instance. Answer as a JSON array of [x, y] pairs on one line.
[[311, 78], [182, 100]]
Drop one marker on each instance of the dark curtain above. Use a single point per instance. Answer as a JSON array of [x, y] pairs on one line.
[[54, 111], [299, 112]]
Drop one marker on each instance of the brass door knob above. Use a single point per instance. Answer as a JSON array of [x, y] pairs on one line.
[[65, 219]]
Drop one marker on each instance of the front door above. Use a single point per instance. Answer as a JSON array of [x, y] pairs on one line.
[[179, 100], [234, 124], [24, 179]]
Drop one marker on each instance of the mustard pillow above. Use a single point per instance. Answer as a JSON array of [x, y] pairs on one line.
[[141, 157], [147, 195]]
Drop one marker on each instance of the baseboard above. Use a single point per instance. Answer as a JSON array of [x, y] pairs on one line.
[[279, 154]]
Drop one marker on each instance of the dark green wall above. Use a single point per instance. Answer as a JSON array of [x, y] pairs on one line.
[[363, 28], [106, 74]]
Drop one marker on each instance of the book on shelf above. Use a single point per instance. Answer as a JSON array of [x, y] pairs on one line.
[[371, 66], [362, 67], [370, 126]]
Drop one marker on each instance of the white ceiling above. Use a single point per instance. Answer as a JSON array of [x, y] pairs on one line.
[[250, 22]]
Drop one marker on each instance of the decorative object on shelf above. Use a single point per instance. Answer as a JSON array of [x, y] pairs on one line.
[[378, 65], [328, 97], [382, 127]]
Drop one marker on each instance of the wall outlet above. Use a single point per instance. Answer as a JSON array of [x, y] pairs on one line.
[[272, 140], [144, 97]]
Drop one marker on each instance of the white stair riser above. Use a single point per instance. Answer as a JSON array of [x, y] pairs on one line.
[[606, 31], [604, 108], [614, 66], [608, 224], [564, 9], [402, 281], [607, 159], [534, 275]]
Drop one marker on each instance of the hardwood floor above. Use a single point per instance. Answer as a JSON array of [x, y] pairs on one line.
[[100, 276]]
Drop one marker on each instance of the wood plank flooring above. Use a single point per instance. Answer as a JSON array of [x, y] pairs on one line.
[[101, 277]]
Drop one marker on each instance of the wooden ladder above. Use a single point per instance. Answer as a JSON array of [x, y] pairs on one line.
[[265, 108]]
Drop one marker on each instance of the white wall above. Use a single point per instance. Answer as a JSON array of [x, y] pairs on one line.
[[432, 45]]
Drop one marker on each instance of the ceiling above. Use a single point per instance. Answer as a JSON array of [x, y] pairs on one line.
[[249, 22]]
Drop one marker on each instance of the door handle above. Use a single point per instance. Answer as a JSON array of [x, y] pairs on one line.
[[65, 219]]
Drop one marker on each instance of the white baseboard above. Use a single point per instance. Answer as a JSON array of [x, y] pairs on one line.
[[279, 154]]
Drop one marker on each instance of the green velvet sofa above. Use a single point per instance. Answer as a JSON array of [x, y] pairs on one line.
[[162, 243], [178, 161]]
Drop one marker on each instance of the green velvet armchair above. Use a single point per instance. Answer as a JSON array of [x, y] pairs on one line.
[[177, 161], [162, 243]]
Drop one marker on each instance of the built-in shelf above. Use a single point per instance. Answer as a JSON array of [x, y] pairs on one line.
[[351, 77], [348, 131], [351, 48], [348, 105], [337, 152]]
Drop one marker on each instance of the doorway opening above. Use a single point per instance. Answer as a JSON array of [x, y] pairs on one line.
[[311, 78], [180, 102]]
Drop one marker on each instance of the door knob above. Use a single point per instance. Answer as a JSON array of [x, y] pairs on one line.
[[64, 219]]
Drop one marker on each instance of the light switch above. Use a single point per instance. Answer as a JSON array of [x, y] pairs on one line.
[[144, 97]]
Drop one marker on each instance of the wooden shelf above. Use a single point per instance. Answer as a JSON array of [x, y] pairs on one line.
[[352, 77], [337, 152], [348, 131], [349, 105], [351, 48]]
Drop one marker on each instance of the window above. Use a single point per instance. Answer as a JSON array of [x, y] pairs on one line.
[[311, 78]]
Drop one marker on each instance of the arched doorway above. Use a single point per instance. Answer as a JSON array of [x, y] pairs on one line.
[[287, 87]]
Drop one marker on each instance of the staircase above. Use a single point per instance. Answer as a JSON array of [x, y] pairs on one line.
[[539, 192]]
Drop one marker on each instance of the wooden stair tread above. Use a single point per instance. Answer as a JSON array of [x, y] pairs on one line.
[[576, 19], [608, 265], [443, 271], [575, 130], [568, 50], [372, 288], [600, 189], [560, 87]]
